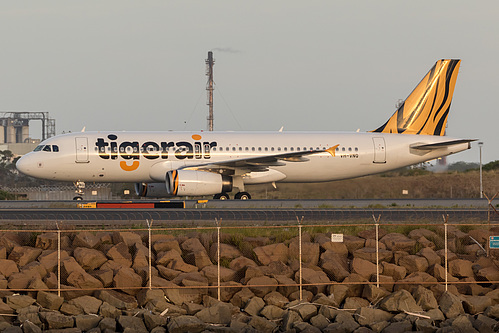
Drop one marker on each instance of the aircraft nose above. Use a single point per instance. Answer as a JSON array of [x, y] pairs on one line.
[[25, 164]]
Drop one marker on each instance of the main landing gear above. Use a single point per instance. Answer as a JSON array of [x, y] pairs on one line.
[[80, 190], [238, 196]]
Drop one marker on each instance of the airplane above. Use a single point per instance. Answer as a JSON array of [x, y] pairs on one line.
[[171, 163]]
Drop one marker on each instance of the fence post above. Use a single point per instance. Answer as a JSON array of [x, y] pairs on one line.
[[376, 224], [149, 225], [300, 256], [58, 259], [446, 218], [218, 256]]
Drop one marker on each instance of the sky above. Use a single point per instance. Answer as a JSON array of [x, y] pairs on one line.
[[305, 65]]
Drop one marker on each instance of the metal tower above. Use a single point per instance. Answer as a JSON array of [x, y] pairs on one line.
[[209, 88]]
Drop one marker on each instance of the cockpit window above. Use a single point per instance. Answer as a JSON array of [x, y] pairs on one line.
[[38, 148], [47, 148], [55, 148]]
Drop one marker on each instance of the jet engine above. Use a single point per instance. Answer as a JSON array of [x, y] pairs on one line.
[[153, 190], [190, 182]]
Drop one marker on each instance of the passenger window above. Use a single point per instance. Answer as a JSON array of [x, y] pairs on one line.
[[240, 148], [337, 149], [356, 149], [233, 148], [266, 148], [252, 148], [272, 149], [297, 148], [226, 148], [292, 149], [349, 148], [343, 149], [246, 148], [278, 148], [285, 148], [259, 148]]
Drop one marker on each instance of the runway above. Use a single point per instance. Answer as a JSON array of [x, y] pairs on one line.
[[277, 212]]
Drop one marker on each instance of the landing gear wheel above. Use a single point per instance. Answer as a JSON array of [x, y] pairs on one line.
[[221, 196], [78, 198], [242, 196]]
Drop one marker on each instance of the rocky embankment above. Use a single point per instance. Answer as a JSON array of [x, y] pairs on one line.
[[104, 280]]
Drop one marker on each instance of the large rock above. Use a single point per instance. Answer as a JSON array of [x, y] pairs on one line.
[[89, 259], [167, 245], [363, 267], [47, 241], [461, 268], [200, 259], [398, 242], [49, 259], [286, 285], [395, 271], [413, 263], [339, 248], [192, 245], [430, 255], [262, 285], [48, 300], [425, 298], [127, 237], [132, 324], [275, 298], [277, 268], [220, 313], [55, 320], [411, 281], [476, 304], [23, 255], [8, 267], [86, 239], [117, 299], [241, 263], [183, 324], [273, 252], [310, 252], [367, 316], [335, 265], [450, 305], [369, 253], [128, 281], [83, 280], [120, 254], [88, 304], [400, 301], [226, 251], [211, 273], [86, 322], [317, 280], [17, 301]]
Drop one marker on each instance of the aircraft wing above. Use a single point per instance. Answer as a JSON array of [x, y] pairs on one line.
[[261, 163], [439, 145]]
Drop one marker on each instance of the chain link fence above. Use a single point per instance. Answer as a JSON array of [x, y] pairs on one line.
[[297, 261]]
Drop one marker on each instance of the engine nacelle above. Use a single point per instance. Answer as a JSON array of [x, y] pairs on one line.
[[152, 190], [190, 182]]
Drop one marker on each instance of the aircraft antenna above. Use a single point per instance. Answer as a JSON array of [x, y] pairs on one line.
[[209, 88]]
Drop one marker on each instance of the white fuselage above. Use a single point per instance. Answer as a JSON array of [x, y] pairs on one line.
[[147, 156]]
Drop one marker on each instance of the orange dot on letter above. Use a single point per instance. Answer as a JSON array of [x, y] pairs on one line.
[[127, 167], [196, 137]]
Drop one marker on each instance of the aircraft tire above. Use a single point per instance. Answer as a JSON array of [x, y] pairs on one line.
[[221, 196], [78, 198], [242, 196]]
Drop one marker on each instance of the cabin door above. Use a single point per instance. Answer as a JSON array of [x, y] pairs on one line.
[[379, 150]]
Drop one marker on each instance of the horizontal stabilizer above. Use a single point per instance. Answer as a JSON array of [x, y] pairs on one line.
[[439, 145]]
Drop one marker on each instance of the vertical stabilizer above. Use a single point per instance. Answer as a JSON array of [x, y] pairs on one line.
[[426, 109]]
